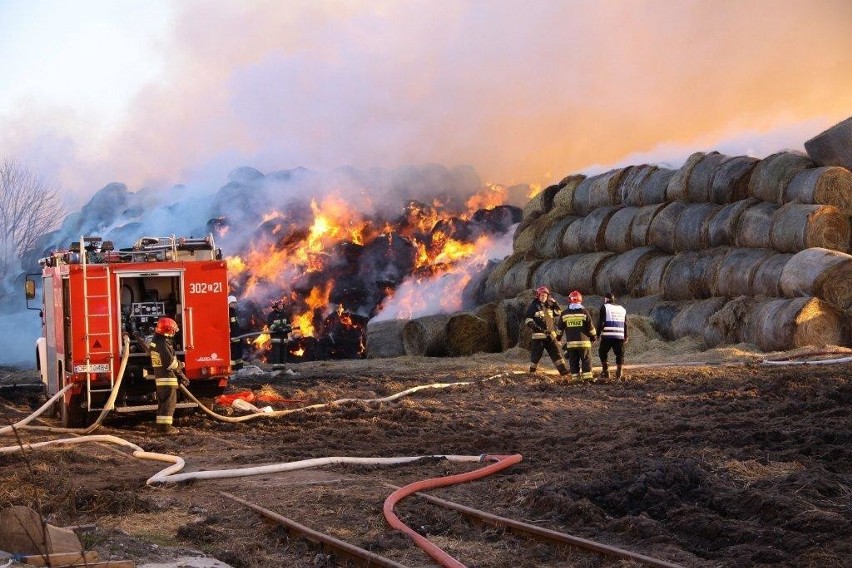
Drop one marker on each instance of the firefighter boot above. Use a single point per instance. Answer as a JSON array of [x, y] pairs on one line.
[[618, 374], [167, 429], [563, 370]]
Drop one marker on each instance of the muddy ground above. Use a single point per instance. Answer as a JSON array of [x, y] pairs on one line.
[[707, 465]]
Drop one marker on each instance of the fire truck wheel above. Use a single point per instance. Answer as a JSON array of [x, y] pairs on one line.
[[70, 412]]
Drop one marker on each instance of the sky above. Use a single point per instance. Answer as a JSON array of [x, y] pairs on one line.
[[155, 93]]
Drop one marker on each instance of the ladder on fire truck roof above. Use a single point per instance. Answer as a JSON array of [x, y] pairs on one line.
[[97, 316]]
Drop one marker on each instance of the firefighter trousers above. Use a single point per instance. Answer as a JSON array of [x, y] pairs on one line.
[[166, 402], [580, 358], [538, 347]]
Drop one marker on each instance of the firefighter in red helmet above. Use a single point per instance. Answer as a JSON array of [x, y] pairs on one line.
[[543, 318], [166, 366], [579, 334]]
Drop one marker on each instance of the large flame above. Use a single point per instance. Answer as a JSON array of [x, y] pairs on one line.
[[296, 257]]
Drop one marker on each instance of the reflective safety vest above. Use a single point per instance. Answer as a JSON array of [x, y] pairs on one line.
[[615, 321]]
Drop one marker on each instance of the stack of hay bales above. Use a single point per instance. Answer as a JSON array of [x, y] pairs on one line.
[[729, 249]]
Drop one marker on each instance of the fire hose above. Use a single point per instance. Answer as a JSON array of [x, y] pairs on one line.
[[108, 406]]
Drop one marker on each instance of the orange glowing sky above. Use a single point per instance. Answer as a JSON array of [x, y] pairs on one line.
[[160, 92]]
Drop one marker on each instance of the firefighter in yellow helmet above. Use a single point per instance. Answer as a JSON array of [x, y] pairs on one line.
[[543, 318], [166, 367], [579, 334]]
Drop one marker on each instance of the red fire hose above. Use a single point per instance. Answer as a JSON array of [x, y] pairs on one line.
[[503, 461]]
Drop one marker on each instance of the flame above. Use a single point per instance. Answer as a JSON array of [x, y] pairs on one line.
[[534, 190], [488, 197], [296, 256]]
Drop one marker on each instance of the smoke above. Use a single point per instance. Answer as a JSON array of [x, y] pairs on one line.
[[19, 332], [523, 92]]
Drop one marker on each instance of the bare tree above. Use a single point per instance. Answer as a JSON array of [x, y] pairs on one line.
[[29, 208]]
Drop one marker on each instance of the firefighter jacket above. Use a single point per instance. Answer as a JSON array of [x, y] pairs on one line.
[[233, 322], [578, 327], [613, 321], [543, 319], [278, 323], [164, 361]]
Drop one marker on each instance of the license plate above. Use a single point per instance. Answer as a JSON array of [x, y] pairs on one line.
[[96, 368]]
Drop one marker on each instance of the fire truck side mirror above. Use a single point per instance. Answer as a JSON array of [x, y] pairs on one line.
[[30, 289]]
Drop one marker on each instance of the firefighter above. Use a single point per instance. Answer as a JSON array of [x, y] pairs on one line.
[[613, 326], [543, 318], [279, 329], [236, 331], [166, 368], [579, 334]]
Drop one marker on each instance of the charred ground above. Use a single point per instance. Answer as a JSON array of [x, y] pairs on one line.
[[709, 465]]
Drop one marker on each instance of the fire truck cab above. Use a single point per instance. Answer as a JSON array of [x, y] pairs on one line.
[[93, 297]]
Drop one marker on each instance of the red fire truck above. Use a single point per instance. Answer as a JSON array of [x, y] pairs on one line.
[[94, 295]]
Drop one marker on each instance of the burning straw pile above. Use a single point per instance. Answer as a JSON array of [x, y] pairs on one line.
[[729, 249]]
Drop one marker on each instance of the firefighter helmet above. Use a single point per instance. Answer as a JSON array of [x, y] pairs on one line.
[[542, 290], [575, 297], [232, 299], [166, 326]]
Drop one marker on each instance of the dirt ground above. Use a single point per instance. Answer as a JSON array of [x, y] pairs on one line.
[[726, 463]]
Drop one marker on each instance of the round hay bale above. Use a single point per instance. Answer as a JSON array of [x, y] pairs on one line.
[[540, 228], [617, 236], [691, 228], [555, 274], [781, 324], [692, 275], [468, 333], [722, 229], [699, 185], [584, 272], [518, 278], [580, 201], [707, 270], [661, 231], [630, 186], [564, 198], [819, 272], [726, 324], [524, 237], [693, 318], [510, 320], [822, 186], [663, 314], [649, 282], [618, 274], [571, 238], [767, 277], [541, 203], [491, 289], [642, 224], [797, 226], [736, 271], [426, 336], [772, 175], [677, 189], [731, 178], [605, 189], [755, 227], [653, 189], [384, 339], [642, 305], [593, 229], [549, 244]]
